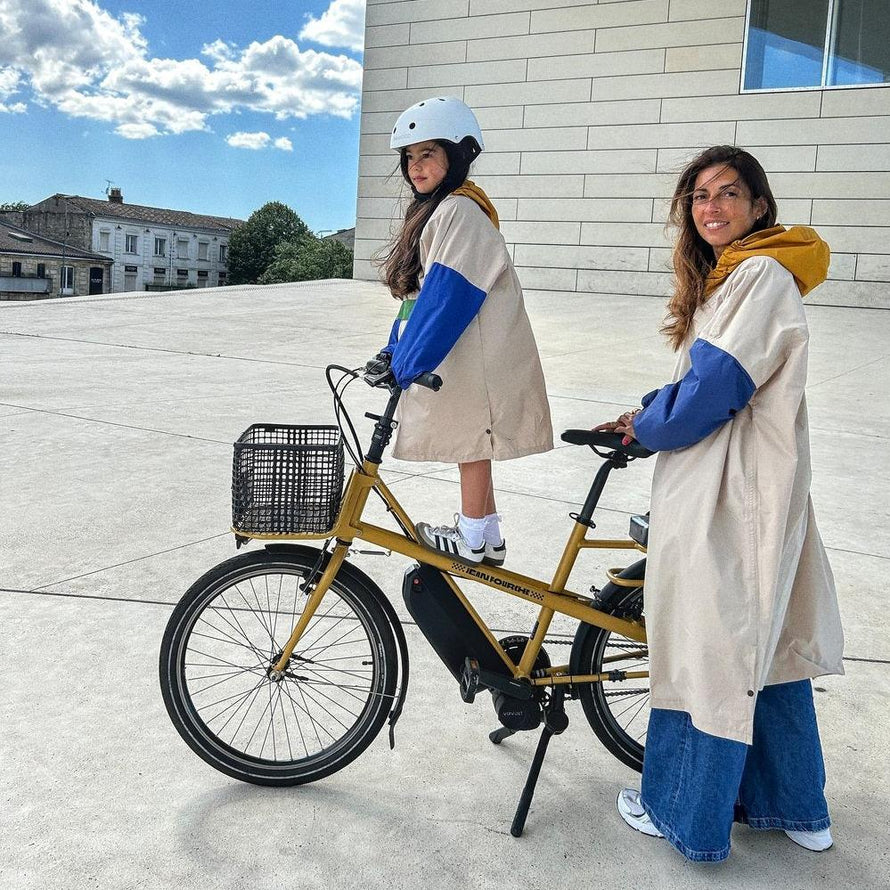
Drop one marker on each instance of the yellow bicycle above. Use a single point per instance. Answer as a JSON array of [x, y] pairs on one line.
[[280, 666]]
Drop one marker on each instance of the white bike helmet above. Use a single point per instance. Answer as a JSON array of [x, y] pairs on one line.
[[441, 117]]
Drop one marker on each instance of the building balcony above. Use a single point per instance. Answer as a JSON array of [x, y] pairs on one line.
[[24, 285]]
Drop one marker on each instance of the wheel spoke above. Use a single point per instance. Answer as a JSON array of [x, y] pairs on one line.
[[238, 715]]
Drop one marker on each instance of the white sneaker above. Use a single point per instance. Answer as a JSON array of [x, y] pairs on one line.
[[448, 539], [817, 841], [495, 554], [630, 808]]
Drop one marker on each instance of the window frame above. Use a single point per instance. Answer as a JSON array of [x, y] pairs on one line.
[[63, 269], [825, 62], [163, 242], [127, 237]]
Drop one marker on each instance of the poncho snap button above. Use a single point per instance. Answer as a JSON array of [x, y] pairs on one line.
[[750, 692], [488, 431]]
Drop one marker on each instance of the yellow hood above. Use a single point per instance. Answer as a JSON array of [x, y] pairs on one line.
[[470, 190], [798, 249]]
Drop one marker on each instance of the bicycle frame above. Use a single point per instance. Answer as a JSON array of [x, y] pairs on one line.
[[552, 597]]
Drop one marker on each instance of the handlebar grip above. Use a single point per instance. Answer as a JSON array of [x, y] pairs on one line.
[[429, 380]]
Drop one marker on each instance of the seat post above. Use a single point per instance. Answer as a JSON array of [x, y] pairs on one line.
[[614, 461]]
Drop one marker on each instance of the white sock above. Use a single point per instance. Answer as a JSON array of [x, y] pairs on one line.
[[492, 531], [471, 529]]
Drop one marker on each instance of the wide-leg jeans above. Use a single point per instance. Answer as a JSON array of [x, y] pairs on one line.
[[696, 785]]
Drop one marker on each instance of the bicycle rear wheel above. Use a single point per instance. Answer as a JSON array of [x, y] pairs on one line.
[[216, 655], [617, 710]]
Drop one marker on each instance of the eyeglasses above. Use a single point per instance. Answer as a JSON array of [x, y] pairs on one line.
[[699, 199]]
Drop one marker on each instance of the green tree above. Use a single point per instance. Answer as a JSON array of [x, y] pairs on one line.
[[252, 245], [15, 205], [309, 259]]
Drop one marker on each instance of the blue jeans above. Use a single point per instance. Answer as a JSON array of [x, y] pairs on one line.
[[696, 785]]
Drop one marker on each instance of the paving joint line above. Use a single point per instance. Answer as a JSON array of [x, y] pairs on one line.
[[127, 562], [125, 426], [238, 358], [404, 623]]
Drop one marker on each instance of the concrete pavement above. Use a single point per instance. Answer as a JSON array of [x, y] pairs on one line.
[[116, 421]]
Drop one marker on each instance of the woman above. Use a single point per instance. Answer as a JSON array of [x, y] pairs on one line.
[[462, 315], [741, 609]]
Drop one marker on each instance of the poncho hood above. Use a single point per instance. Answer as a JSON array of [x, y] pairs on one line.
[[798, 249], [469, 189]]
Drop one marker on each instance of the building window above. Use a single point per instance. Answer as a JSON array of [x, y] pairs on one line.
[[202, 278], [16, 270], [182, 249], [160, 247], [159, 272], [799, 44], [182, 273], [221, 279], [104, 240], [203, 248], [223, 253], [66, 279], [130, 277], [131, 243], [41, 270]]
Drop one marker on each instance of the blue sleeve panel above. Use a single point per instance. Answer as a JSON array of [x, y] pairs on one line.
[[648, 397], [685, 412], [446, 304], [393, 337]]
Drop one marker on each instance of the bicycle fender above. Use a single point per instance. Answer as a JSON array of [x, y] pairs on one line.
[[359, 577], [605, 601]]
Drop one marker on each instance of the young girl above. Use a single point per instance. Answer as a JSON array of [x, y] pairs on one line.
[[741, 609], [462, 316]]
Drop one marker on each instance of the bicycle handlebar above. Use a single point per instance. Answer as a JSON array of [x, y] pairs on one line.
[[429, 380]]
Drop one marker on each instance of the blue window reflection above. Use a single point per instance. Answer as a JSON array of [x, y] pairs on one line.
[[786, 43], [776, 62]]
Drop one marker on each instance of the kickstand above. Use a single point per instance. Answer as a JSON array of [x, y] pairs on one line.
[[555, 722], [501, 733]]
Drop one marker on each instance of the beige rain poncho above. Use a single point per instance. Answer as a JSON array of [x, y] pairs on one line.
[[739, 593], [469, 325]]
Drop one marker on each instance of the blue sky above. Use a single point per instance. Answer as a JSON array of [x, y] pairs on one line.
[[215, 106]]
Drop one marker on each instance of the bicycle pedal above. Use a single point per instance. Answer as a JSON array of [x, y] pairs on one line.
[[469, 680]]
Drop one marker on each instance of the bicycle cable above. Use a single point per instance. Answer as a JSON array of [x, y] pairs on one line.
[[340, 415]]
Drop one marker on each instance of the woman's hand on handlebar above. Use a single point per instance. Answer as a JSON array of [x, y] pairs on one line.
[[624, 424]]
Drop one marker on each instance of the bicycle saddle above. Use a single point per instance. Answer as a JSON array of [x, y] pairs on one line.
[[602, 439]]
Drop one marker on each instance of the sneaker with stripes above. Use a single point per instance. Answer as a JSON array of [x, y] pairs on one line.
[[448, 539]]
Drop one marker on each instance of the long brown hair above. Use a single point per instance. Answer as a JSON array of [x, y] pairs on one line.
[[401, 259], [693, 257]]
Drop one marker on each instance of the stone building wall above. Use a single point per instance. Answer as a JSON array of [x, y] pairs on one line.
[[590, 109]]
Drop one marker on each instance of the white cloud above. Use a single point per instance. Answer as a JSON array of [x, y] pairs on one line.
[[78, 58], [137, 131], [341, 24], [258, 141], [253, 141], [9, 86]]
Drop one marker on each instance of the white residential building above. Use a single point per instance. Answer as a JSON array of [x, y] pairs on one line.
[[152, 248]]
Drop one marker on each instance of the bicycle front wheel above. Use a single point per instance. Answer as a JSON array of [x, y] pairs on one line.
[[618, 710], [216, 656]]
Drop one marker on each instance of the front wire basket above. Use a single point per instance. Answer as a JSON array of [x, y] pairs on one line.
[[287, 479]]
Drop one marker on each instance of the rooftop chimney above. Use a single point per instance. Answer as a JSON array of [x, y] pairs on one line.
[[115, 196]]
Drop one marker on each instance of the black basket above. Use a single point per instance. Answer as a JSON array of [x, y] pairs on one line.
[[287, 479]]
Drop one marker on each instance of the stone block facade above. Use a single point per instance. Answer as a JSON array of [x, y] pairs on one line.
[[589, 110]]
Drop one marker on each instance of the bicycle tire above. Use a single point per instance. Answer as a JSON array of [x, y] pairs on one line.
[[330, 705], [617, 710]]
